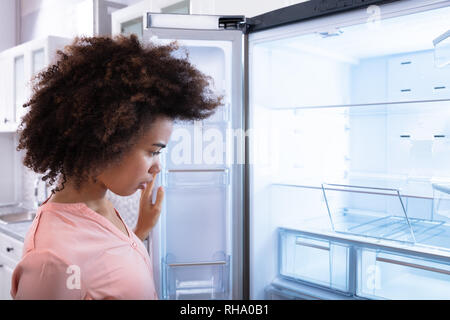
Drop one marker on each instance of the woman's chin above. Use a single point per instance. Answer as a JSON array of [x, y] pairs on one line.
[[124, 193]]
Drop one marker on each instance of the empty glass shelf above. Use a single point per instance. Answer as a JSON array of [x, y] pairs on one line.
[[380, 213]]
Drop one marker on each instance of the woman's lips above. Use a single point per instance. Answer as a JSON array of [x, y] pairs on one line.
[[143, 185]]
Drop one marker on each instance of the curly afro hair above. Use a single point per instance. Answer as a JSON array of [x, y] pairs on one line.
[[92, 106]]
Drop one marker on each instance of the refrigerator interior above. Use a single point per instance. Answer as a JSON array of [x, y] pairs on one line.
[[351, 130]]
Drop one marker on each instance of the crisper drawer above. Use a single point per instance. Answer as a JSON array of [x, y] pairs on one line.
[[197, 279], [385, 275], [314, 260]]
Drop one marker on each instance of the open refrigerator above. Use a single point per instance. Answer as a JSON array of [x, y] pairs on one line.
[[333, 179]]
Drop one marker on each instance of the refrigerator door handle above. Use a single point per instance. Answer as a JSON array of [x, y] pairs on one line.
[[413, 265], [315, 246]]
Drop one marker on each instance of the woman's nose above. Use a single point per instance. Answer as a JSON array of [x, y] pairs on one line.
[[156, 166]]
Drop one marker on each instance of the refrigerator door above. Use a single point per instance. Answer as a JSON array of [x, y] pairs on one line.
[[197, 245], [349, 120]]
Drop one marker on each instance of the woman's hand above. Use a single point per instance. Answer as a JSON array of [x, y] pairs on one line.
[[149, 212]]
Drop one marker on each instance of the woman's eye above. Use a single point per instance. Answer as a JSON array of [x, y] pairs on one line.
[[154, 153]]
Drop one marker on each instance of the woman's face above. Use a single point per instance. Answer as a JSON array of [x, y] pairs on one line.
[[141, 162]]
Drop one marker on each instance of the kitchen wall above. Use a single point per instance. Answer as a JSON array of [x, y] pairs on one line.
[[9, 11]]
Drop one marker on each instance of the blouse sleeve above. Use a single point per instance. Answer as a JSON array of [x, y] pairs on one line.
[[42, 275]]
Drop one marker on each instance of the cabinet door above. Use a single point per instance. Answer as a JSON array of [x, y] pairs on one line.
[[6, 272], [6, 90], [20, 90], [10, 254], [2, 90]]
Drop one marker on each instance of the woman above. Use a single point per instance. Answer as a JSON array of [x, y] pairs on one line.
[[98, 119]]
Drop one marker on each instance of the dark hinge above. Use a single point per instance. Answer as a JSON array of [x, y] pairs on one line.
[[232, 22]]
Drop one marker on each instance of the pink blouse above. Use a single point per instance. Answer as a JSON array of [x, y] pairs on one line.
[[73, 252]]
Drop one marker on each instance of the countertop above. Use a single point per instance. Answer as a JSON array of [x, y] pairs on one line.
[[16, 230]]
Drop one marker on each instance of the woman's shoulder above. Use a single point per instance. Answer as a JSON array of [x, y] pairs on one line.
[[54, 227]]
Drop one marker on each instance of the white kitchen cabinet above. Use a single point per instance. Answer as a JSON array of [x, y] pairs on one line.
[[19, 65], [132, 19], [6, 271], [94, 17], [10, 255], [6, 94]]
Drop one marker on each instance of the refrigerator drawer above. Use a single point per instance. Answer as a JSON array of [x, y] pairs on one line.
[[314, 260], [197, 280], [384, 275], [273, 293], [282, 289]]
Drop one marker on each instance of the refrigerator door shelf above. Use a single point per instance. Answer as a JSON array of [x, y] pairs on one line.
[[385, 275], [197, 280], [192, 178]]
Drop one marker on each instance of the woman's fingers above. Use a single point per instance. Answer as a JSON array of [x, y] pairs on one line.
[[149, 186], [159, 198], [147, 192]]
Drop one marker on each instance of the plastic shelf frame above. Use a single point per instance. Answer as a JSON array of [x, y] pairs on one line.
[[370, 212]]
